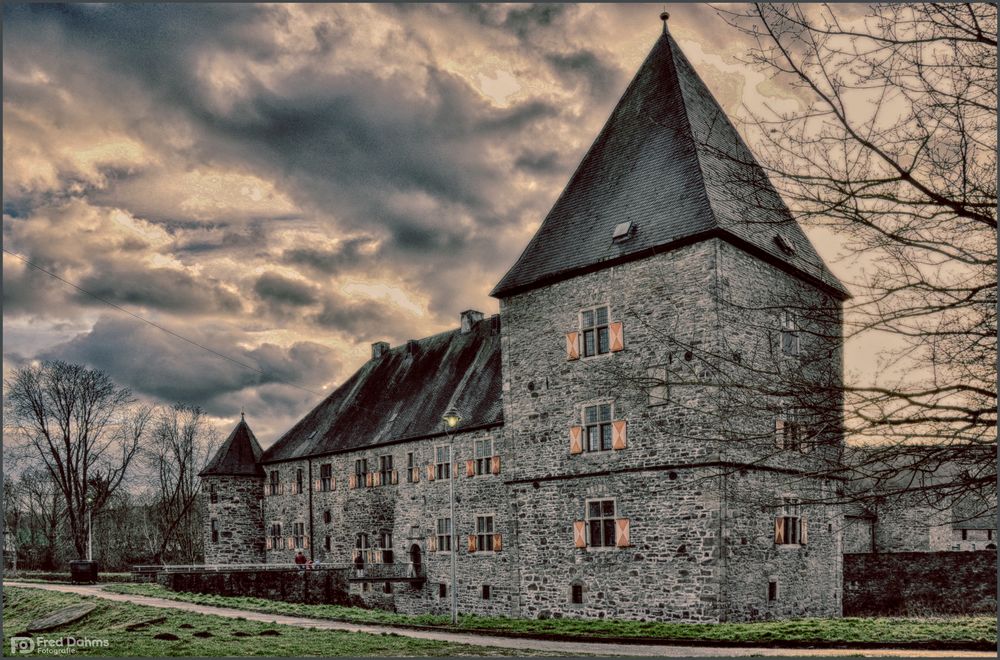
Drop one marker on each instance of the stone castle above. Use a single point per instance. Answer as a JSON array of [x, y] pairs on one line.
[[598, 469]]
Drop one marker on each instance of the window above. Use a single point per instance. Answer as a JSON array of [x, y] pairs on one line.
[[965, 535], [387, 588], [360, 469], [360, 548], [326, 543], [789, 334], [276, 536], [989, 535], [213, 496], [442, 466], [576, 594], [327, 517], [788, 433], [274, 487], [772, 590], [326, 477], [484, 455], [788, 525], [299, 532], [385, 545], [444, 534], [601, 523], [215, 530], [298, 482], [486, 592], [594, 324], [484, 533], [442, 590], [656, 385], [597, 426], [410, 464], [385, 467]]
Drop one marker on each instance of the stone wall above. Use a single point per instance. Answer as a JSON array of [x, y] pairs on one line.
[[323, 586], [920, 583], [409, 511], [237, 512]]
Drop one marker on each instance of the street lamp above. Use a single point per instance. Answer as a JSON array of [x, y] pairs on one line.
[[90, 528], [452, 419]]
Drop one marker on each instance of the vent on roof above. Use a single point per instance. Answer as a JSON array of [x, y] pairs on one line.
[[469, 318], [379, 349], [622, 231], [784, 245]]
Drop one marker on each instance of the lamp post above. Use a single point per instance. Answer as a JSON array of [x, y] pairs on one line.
[[90, 528], [451, 420]]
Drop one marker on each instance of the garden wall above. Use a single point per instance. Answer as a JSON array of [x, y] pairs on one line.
[[919, 583], [318, 586]]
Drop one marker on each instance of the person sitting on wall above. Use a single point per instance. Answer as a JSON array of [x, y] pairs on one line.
[[300, 560]]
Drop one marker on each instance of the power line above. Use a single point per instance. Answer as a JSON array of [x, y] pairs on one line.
[[157, 326]]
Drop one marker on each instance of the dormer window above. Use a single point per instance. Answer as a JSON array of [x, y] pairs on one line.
[[622, 231], [784, 245]]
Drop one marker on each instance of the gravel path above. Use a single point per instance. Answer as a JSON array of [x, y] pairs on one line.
[[547, 646]]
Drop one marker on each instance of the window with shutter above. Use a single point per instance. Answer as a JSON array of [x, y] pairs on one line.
[[601, 523], [444, 534], [326, 477], [597, 427], [442, 465], [484, 532], [789, 525], [596, 332], [617, 337], [495, 465], [483, 452]]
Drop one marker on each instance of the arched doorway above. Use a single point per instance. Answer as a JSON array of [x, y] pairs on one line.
[[415, 560]]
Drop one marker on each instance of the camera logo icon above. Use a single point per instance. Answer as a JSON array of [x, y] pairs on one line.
[[22, 645]]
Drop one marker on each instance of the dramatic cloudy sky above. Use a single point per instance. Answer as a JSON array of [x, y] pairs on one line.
[[287, 184]]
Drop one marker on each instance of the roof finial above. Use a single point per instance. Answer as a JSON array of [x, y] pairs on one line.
[[664, 16], [242, 414]]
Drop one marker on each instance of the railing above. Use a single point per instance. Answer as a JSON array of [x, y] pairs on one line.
[[395, 571]]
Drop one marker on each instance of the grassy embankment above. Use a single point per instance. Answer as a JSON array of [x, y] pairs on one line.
[[965, 632], [137, 630]]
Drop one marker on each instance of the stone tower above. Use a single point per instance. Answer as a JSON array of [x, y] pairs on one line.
[[667, 260], [233, 487]]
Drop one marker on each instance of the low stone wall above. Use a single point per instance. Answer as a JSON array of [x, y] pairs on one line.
[[317, 586], [920, 583]]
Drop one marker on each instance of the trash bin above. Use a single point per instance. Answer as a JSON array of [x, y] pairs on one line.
[[83, 571]]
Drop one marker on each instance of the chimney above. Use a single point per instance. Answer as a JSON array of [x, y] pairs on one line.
[[379, 349], [469, 318]]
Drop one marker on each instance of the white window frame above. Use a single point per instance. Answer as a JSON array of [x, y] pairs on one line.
[[444, 537], [483, 459], [298, 540], [442, 470], [487, 546], [791, 512]]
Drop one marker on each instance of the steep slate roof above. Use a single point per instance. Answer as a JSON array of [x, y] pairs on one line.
[[404, 394], [669, 160], [239, 455]]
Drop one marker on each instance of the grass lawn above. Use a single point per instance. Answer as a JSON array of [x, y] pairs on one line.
[[977, 630], [186, 634]]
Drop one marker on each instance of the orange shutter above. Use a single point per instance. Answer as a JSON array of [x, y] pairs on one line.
[[266, 489], [572, 345], [495, 464], [497, 543], [317, 485], [416, 474], [352, 481], [803, 531], [779, 530], [290, 542], [617, 336], [472, 542], [305, 542], [333, 482], [580, 534], [621, 533], [779, 433], [454, 469], [268, 544], [281, 489], [430, 472], [618, 434], [376, 478], [395, 477], [575, 439], [368, 479], [470, 468], [432, 544]]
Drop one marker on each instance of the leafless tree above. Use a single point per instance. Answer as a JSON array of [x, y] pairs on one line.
[[180, 446], [892, 146], [85, 430]]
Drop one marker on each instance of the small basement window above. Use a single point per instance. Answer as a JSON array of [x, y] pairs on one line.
[[442, 590], [772, 590], [576, 594], [486, 592]]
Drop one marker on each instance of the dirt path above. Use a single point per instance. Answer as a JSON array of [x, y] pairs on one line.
[[554, 647]]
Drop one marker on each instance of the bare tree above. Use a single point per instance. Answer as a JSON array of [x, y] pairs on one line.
[[85, 430], [181, 444], [893, 148]]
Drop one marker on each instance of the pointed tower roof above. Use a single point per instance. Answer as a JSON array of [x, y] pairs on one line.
[[669, 161], [239, 455]]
